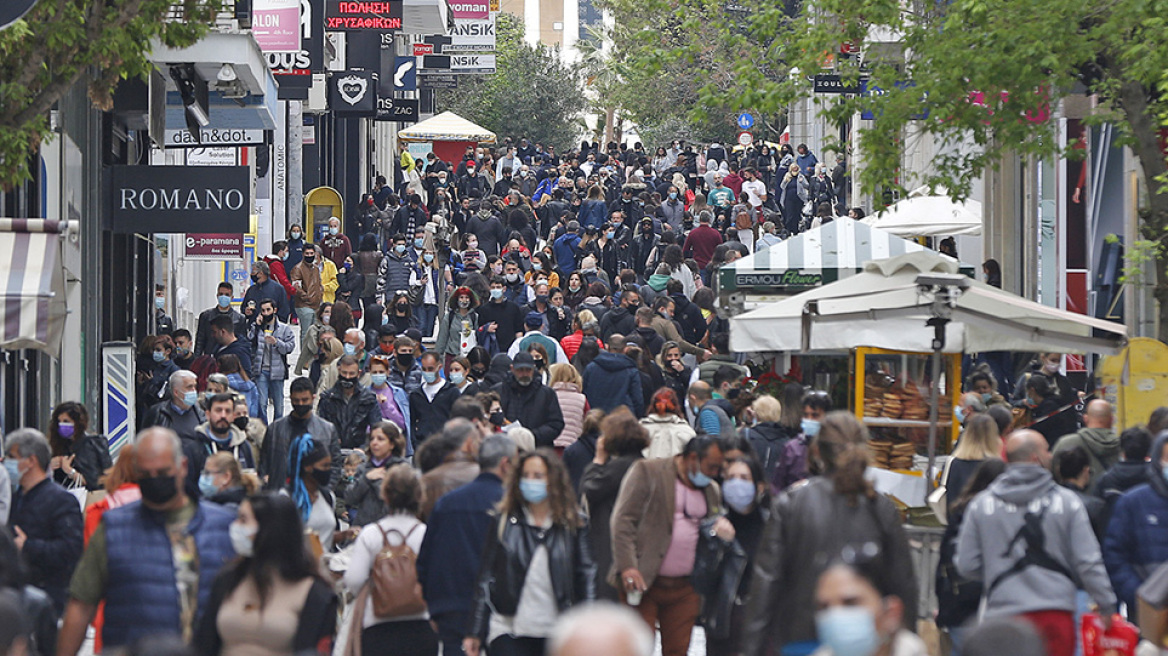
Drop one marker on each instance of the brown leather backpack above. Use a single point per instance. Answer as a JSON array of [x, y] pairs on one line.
[[393, 583]]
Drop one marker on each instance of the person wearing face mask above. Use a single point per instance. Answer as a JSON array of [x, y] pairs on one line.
[[433, 279], [745, 491], [710, 418], [223, 482], [393, 274], [780, 612], [310, 478], [672, 210], [295, 243], [983, 383], [273, 462], [45, 519], [859, 612], [78, 458], [335, 246], [265, 286], [278, 267], [203, 342], [655, 525], [349, 404], [793, 464], [527, 401], [457, 331], [539, 552], [163, 324], [271, 341], [182, 415], [350, 286], [1029, 541], [430, 404], [1047, 366], [306, 278], [152, 562], [277, 575], [220, 435]]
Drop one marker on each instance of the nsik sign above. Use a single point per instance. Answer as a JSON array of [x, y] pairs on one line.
[[471, 36], [359, 16], [150, 199]]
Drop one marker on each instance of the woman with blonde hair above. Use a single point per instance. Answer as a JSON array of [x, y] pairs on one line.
[[571, 342], [224, 482], [536, 564], [768, 437], [979, 442], [568, 383]]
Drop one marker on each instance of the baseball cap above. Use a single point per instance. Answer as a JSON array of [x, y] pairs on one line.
[[522, 360]]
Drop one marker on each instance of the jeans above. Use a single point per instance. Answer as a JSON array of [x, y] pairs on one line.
[[427, 315], [270, 389], [306, 317]]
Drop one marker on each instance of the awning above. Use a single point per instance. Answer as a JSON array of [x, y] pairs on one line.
[[32, 306], [819, 256], [928, 216], [446, 126]]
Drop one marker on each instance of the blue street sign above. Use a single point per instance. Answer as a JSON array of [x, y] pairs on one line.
[[745, 121]]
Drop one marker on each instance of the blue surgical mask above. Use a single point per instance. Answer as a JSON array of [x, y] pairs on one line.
[[673, 195], [13, 467], [384, 319], [430, 377], [987, 398], [191, 398], [159, 356], [427, 257], [159, 302], [378, 380], [242, 539], [536, 265], [739, 494], [457, 377], [418, 243], [496, 294], [959, 414], [699, 479], [810, 427], [350, 349], [609, 234], [333, 231], [399, 248], [848, 631], [224, 301], [533, 491], [206, 486]]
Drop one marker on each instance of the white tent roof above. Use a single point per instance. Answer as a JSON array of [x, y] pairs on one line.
[[882, 307], [446, 126], [927, 216]]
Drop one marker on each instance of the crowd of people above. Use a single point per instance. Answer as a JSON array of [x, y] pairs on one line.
[[517, 426]]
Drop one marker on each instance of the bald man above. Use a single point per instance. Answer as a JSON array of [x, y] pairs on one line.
[[1098, 438], [601, 628], [130, 562], [1029, 541]]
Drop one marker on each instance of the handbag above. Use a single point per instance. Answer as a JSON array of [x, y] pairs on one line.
[[718, 570], [707, 557], [939, 498]]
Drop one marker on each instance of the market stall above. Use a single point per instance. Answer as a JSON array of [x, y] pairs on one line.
[[816, 257], [448, 134], [914, 308]]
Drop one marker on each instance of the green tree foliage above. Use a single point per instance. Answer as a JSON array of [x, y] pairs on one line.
[[981, 78], [61, 41], [533, 93]]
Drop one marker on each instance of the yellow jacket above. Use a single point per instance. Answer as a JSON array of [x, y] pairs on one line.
[[407, 161], [328, 280]]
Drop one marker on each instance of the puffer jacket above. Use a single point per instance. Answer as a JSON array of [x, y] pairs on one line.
[[612, 380], [574, 406], [393, 274], [511, 545], [769, 439], [1137, 536], [668, 435], [806, 523], [363, 496]]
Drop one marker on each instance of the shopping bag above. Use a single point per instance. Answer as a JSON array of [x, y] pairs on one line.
[[1120, 640]]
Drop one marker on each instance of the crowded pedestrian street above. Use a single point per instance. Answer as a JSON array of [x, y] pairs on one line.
[[488, 328]]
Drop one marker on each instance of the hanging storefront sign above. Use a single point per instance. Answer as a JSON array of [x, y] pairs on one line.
[[275, 24], [293, 70], [472, 36], [401, 110], [353, 93], [203, 246], [363, 16], [150, 199]]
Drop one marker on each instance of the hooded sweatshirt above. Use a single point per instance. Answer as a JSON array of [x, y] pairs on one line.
[[1136, 543], [1102, 445], [1030, 543], [612, 380]]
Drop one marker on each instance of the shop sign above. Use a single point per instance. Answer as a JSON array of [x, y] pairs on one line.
[[353, 93], [472, 64], [831, 83], [164, 199], [401, 110], [295, 69], [472, 36], [788, 278], [275, 24], [203, 246], [470, 9], [214, 137], [363, 16]]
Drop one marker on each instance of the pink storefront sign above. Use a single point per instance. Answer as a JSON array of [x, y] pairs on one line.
[[275, 24]]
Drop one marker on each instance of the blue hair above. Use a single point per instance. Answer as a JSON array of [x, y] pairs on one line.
[[299, 449]]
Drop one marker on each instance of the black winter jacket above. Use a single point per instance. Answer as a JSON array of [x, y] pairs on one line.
[[428, 416], [353, 416], [535, 407], [91, 457], [507, 557]]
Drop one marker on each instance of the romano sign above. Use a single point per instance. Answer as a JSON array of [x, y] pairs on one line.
[[151, 199]]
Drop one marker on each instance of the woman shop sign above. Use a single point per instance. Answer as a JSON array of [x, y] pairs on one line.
[[161, 199]]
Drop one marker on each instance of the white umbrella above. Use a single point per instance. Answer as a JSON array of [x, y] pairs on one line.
[[927, 216]]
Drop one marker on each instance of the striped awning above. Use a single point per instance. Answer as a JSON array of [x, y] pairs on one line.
[[32, 305], [816, 257]]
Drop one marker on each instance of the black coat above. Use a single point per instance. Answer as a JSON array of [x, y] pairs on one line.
[[427, 417], [578, 456], [507, 557], [617, 320], [535, 407], [51, 518], [91, 457], [353, 417], [599, 486]]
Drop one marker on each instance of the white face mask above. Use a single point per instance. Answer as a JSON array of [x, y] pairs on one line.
[[242, 538]]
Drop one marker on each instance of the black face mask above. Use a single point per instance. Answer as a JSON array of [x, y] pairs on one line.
[[309, 258], [301, 411], [322, 476], [497, 418], [347, 383], [241, 422], [405, 359], [158, 490]]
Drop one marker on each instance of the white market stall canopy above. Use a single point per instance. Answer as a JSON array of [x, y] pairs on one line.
[[929, 216], [884, 307], [446, 126], [819, 256]]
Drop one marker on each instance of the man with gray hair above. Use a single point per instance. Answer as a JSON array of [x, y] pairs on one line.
[[181, 412], [600, 628], [264, 287], [448, 563], [45, 519], [457, 450], [152, 561]]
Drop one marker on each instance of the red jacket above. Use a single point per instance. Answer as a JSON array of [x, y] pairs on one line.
[[280, 275]]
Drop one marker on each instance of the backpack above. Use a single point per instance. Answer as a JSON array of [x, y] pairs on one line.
[[393, 582]]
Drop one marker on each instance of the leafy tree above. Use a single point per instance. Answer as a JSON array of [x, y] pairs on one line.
[[981, 78], [60, 41], [534, 93]]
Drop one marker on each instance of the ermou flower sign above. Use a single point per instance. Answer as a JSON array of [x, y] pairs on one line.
[[213, 246], [363, 15], [165, 199]]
